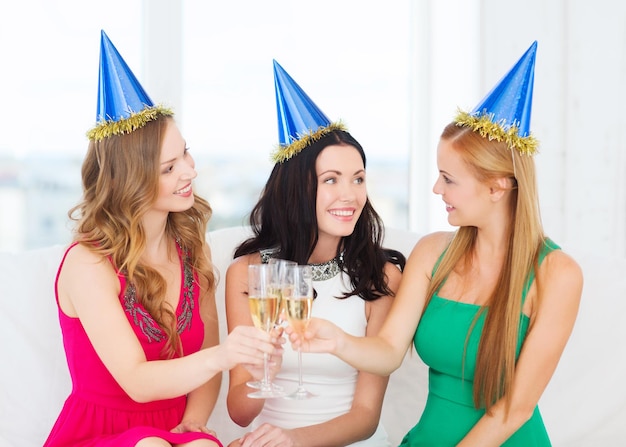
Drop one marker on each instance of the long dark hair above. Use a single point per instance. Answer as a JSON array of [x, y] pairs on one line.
[[285, 218]]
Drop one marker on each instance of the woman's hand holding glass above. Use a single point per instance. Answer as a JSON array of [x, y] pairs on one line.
[[246, 346], [320, 336], [274, 364], [264, 301]]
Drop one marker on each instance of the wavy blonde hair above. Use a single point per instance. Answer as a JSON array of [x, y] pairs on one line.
[[120, 176], [491, 160]]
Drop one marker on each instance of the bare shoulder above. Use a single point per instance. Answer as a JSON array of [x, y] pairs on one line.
[[86, 278], [240, 264], [237, 273], [439, 239], [429, 248], [560, 277], [559, 265], [393, 275], [392, 271], [81, 260]]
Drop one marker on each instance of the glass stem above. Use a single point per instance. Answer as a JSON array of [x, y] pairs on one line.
[[266, 372], [300, 384]]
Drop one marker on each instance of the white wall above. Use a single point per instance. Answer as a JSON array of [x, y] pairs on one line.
[[578, 105]]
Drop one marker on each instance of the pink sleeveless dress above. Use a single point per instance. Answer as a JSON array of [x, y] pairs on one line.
[[98, 413]]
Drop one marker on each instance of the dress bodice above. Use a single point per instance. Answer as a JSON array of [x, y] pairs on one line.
[[447, 340], [331, 379], [98, 412]]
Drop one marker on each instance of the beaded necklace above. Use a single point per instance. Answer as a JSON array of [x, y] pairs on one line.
[[321, 272]]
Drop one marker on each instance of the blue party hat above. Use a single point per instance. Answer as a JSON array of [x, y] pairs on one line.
[[123, 104], [504, 114], [300, 121]]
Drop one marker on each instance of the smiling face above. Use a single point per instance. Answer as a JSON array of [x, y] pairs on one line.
[[467, 199], [341, 190], [176, 171]]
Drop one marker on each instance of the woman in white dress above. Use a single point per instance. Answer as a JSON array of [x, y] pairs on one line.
[[314, 210]]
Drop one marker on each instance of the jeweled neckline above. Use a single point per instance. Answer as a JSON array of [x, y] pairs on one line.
[[321, 272], [328, 269]]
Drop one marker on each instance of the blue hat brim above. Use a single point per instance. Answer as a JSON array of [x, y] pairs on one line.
[[504, 113], [300, 120], [123, 105]]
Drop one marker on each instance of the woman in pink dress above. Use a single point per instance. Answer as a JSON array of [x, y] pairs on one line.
[[135, 291]]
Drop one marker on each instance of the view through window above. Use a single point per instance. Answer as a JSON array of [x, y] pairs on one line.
[[351, 58]]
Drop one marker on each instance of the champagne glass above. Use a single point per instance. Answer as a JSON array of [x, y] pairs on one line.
[[281, 265], [264, 307], [278, 281], [298, 302]]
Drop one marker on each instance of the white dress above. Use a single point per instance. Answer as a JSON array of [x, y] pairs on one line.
[[331, 379]]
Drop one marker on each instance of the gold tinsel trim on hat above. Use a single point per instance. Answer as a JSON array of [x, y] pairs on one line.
[[108, 128], [484, 125], [284, 153]]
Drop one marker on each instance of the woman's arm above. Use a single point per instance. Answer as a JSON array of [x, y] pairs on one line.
[[383, 353], [89, 289], [556, 298]]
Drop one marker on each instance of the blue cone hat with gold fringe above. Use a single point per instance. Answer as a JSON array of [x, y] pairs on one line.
[[504, 114], [300, 121], [123, 104]]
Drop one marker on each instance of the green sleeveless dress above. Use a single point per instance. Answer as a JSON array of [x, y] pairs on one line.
[[440, 339]]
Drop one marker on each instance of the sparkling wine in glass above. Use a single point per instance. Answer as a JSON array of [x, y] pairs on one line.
[[298, 303], [281, 266], [278, 281], [264, 307]]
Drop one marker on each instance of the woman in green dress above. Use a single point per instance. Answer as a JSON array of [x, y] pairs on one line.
[[489, 307]]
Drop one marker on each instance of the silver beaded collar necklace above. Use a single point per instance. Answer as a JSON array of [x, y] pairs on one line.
[[328, 269], [321, 272]]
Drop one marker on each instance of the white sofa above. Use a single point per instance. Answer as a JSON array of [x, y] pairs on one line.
[[584, 405]]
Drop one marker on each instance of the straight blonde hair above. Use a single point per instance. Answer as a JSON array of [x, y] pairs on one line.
[[491, 160]]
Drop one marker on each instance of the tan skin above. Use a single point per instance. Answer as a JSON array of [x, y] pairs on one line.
[[552, 306], [88, 289], [341, 186]]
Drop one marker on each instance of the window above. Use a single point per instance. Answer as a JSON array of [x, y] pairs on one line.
[[48, 87], [351, 57]]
